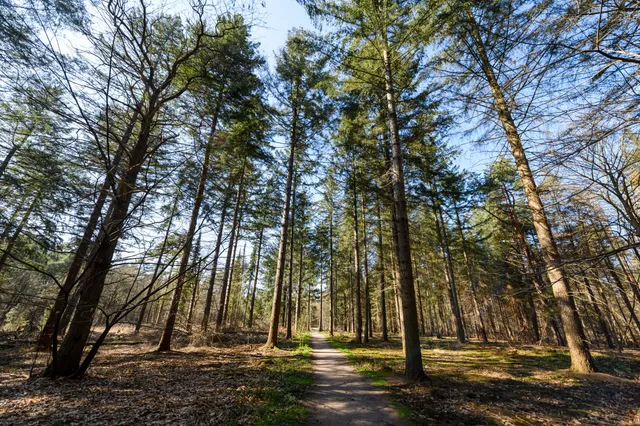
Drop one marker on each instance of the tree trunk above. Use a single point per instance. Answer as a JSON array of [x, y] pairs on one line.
[[320, 314], [214, 267], [61, 303], [272, 340], [6, 252], [167, 333], [300, 276], [411, 340], [255, 280], [420, 310], [581, 360], [473, 280], [225, 312], [356, 265], [383, 303], [331, 290], [92, 281], [291, 244], [196, 284], [156, 271], [227, 266], [365, 262], [443, 238]]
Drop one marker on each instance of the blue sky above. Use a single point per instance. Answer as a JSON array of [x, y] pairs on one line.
[[278, 17]]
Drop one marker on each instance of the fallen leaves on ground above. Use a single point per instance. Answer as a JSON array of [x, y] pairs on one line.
[[233, 383]]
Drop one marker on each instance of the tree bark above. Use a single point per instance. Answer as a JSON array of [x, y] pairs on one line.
[[225, 312], [214, 267], [473, 280], [581, 360], [255, 280], [227, 267], [291, 244], [167, 333], [365, 262], [196, 285], [331, 290], [156, 271], [57, 312], [443, 238], [300, 276], [383, 303], [6, 252], [272, 340], [411, 333], [92, 281], [356, 265]]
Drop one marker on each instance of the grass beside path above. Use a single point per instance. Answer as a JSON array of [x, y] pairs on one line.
[[292, 370], [476, 384]]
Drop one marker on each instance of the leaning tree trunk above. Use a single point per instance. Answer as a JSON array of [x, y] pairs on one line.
[[167, 333], [157, 270], [581, 360], [411, 332], [62, 300], [67, 360], [14, 149], [6, 252]]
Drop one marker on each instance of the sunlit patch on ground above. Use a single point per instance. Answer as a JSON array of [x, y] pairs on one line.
[[233, 383], [476, 384]]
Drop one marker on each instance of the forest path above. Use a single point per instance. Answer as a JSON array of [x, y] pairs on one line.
[[342, 396]]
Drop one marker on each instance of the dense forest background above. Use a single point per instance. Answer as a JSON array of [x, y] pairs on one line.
[[157, 174]]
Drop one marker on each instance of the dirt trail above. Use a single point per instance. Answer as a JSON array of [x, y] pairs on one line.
[[342, 396]]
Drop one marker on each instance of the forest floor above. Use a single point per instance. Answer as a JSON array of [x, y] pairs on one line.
[[489, 384], [234, 381]]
